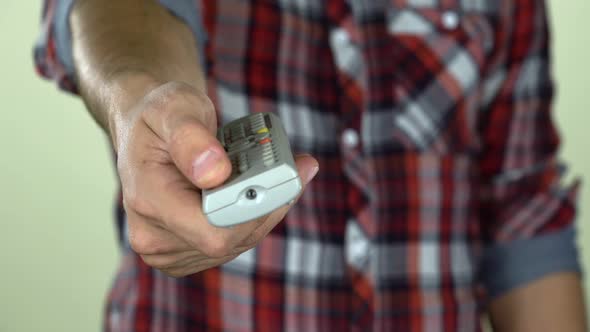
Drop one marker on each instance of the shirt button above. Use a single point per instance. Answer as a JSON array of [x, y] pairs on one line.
[[350, 138], [450, 20], [115, 318]]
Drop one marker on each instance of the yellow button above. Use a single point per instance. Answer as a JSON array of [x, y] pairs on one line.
[[262, 131]]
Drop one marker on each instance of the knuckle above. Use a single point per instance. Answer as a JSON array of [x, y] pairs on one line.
[[141, 243], [207, 110], [177, 89], [160, 104], [145, 243], [137, 203], [164, 102], [184, 133], [161, 99]]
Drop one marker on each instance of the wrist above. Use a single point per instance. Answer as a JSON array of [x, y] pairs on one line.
[[122, 92]]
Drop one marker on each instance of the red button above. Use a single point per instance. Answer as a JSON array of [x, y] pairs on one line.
[[265, 140]]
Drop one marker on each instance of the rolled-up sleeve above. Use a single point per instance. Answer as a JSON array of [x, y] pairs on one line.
[[527, 214], [506, 266], [53, 49]]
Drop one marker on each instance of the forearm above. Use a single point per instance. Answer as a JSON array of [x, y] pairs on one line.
[[123, 48], [552, 303]]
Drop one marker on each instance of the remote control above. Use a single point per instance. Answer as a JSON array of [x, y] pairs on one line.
[[264, 176]]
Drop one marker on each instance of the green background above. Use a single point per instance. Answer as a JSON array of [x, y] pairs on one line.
[[57, 184]]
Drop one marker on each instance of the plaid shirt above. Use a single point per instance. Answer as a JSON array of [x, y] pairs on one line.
[[438, 187]]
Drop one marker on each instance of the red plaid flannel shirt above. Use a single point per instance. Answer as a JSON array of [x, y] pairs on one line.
[[438, 186]]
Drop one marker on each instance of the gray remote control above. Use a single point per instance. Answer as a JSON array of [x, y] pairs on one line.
[[264, 176]]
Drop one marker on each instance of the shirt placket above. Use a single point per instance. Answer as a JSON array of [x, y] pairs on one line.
[[350, 64]]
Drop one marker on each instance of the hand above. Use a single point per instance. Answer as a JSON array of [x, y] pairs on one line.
[[167, 152]]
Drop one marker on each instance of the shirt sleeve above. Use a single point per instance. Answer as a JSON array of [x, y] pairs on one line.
[[527, 214], [53, 49]]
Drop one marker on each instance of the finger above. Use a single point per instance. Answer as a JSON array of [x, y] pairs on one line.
[[181, 259], [175, 205], [185, 120], [307, 166], [197, 266], [147, 238], [173, 260]]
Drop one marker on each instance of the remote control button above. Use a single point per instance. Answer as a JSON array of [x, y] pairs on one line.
[[268, 154], [238, 132], [262, 136], [265, 141], [243, 162], [268, 159], [234, 165], [243, 168], [239, 145], [235, 146], [256, 122], [262, 130], [226, 137]]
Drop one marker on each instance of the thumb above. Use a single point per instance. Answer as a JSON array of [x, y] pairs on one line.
[[185, 121], [198, 154]]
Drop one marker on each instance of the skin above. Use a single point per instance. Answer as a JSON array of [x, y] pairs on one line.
[[551, 303], [137, 69]]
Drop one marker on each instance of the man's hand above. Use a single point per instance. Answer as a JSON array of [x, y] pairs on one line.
[[163, 133], [167, 151]]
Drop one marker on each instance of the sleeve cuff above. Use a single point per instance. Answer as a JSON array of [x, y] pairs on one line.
[[61, 32], [186, 10], [507, 266], [189, 12]]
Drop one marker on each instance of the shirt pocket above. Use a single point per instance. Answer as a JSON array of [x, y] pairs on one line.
[[440, 53]]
